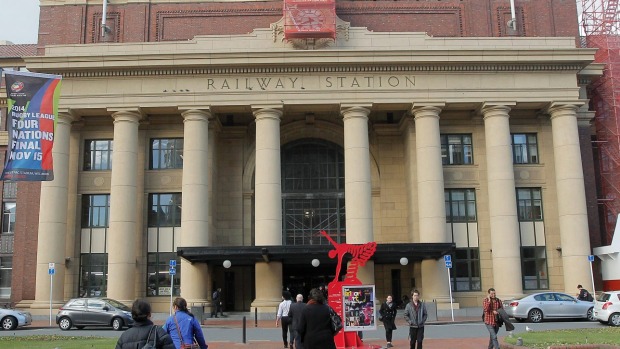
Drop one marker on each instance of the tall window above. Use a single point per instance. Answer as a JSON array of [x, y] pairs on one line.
[[164, 228], [462, 225], [456, 150], [532, 231], [9, 195], [94, 256], [524, 148], [98, 155], [166, 153], [6, 270], [312, 192]]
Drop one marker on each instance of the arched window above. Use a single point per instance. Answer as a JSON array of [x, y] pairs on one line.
[[312, 192]]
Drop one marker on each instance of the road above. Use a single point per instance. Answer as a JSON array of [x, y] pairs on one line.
[[267, 332]]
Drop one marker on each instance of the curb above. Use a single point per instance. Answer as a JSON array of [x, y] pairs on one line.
[[570, 346]]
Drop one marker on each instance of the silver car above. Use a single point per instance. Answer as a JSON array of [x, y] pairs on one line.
[[82, 312], [10, 319], [548, 305]]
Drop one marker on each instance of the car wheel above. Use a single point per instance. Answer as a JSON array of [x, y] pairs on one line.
[[9, 323], [117, 324], [80, 327], [65, 324], [590, 314], [614, 319], [535, 315]]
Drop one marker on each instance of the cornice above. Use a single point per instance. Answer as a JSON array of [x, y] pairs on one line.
[[320, 69]]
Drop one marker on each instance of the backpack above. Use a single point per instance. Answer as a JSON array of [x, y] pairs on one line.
[[216, 295], [152, 345]]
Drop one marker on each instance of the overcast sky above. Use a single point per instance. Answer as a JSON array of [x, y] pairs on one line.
[[19, 21]]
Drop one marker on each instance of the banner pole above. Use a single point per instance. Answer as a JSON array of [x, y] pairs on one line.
[[51, 290]]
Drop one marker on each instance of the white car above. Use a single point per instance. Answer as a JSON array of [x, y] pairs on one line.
[[10, 319], [607, 308]]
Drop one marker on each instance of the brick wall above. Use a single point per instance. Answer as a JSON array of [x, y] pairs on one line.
[[25, 248], [169, 21]]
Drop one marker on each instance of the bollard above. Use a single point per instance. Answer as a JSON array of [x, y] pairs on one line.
[[519, 341], [255, 317], [244, 331]]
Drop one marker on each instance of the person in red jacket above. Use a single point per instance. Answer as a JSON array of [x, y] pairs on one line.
[[490, 306]]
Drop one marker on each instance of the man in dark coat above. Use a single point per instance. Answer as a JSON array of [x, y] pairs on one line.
[[584, 295], [295, 314], [143, 330], [387, 316], [316, 323]]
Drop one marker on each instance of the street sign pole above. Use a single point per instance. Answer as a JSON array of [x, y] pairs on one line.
[[591, 260], [172, 271], [51, 270], [448, 261]]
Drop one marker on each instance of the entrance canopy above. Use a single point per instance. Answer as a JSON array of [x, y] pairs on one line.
[[249, 255]]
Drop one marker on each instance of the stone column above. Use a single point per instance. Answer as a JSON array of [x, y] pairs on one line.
[[53, 209], [123, 213], [431, 202], [357, 182], [195, 279], [268, 206], [572, 209], [505, 240]]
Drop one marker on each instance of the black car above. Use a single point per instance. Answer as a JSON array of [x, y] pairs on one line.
[[82, 312]]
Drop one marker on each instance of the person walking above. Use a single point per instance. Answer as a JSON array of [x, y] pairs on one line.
[[295, 313], [387, 314], [415, 315], [143, 330], [282, 316], [183, 327], [490, 306], [217, 303], [316, 323]]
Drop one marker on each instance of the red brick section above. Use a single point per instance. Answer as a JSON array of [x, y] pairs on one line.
[[182, 21], [25, 244]]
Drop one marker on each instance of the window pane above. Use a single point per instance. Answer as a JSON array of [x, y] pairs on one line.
[[166, 153], [98, 155]]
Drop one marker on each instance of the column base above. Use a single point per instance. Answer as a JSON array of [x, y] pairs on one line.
[[265, 307]]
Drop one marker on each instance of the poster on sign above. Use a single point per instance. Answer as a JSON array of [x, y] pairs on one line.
[[31, 120], [359, 308]]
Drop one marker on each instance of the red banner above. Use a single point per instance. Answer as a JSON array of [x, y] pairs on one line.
[[310, 19]]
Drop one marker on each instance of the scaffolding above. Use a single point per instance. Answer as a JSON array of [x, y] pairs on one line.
[[600, 22]]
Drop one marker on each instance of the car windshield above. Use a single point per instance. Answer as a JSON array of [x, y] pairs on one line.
[[117, 304]]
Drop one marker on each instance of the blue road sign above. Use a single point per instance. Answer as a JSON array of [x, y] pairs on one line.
[[51, 271], [173, 271], [173, 263], [590, 258], [448, 264], [447, 258]]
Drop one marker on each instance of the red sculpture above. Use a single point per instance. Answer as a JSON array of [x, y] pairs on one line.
[[360, 255]]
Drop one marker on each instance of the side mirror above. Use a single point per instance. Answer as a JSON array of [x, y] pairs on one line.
[[106, 308]]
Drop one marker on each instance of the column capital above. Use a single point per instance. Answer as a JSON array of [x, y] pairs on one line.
[[355, 111], [495, 109], [424, 110], [197, 114], [267, 112], [129, 115], [556, 109], [66, 117]]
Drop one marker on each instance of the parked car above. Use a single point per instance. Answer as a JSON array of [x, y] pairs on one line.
[[548, 305], [10, 319], [607, 308], [82, 312]]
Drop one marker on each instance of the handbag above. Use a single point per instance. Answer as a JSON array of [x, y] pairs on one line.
[[183, 345], [336, 321], [154, 344]]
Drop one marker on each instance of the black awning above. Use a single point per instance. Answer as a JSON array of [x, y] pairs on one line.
[[249, 255]]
